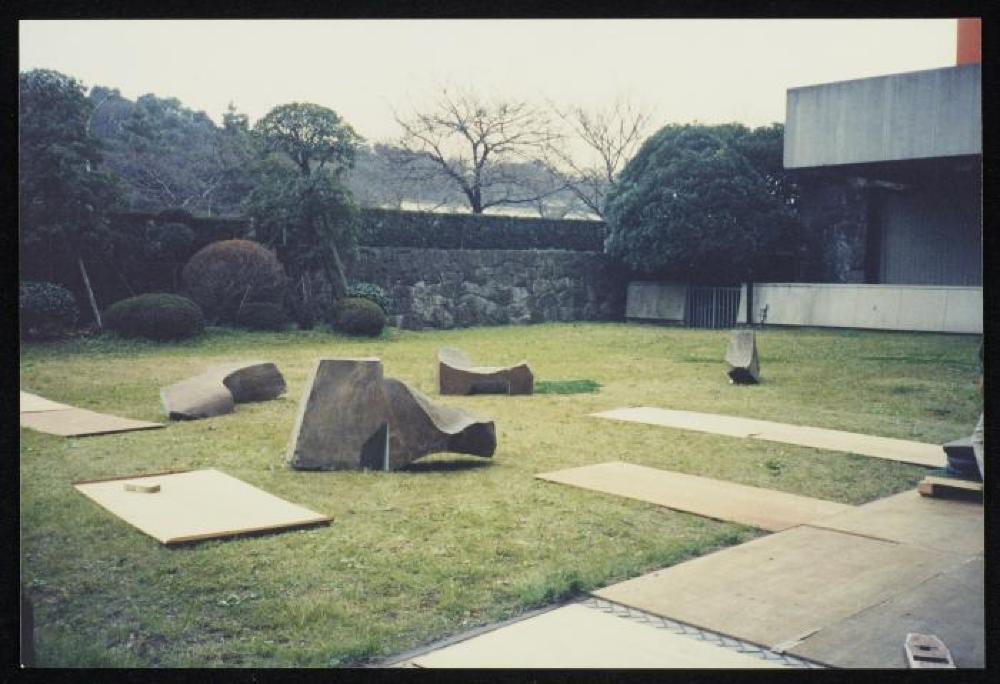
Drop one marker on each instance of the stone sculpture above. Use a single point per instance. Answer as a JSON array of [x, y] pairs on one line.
[[457, 375], [352, 418], [216, 391], [742, 364], [961, 458]]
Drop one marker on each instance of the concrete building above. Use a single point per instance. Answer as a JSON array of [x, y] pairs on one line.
[[890, 172], [890, 176]]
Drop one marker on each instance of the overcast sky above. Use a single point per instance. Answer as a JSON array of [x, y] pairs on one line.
[[685, 70]]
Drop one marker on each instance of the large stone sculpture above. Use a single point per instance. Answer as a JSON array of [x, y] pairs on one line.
[[457, 375], [352, 418], [216, 391], [742, 364]]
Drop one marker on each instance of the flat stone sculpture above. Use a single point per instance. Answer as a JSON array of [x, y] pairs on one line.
[[353, 418], [742, 364], [216, 391], [457, 375]]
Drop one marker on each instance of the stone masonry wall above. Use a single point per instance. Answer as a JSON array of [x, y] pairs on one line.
[[437, 288]]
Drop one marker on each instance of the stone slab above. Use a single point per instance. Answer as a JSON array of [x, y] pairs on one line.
[[76, 422], [949, 605], [949, 526], [919, 453], [32, 403], [577, 636], [754, 506], [197, 504], [783, 587]]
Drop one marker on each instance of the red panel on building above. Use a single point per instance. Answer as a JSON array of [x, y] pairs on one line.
[[970, 41]]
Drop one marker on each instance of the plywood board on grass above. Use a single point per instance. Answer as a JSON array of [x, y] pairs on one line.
[[754, 506], [577, 636], [77, 422], [919, 453], [951, 526], [197, 504], [781, 587], [949, 605], [31, 403]]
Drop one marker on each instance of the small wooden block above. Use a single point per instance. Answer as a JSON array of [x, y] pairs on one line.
[[927, 651], [943, 486], [142, 487]]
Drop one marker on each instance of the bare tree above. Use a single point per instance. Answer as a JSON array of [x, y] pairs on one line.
[[599, 144], [473, 144]]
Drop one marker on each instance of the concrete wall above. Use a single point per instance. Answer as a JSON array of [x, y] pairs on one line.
[[438, 288], [884, 307], [646, 300], [917, 115]]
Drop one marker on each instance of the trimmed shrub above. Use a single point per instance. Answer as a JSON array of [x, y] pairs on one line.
[[262, 316], [394, 228], [223, 275], [168, 241], [156, 316], [371, 292], [47, 310], [357, 316]]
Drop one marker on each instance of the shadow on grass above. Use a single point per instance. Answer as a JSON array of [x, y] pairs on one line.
[[445, 466]]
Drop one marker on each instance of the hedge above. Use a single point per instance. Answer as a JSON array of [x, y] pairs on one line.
[[394, 228]]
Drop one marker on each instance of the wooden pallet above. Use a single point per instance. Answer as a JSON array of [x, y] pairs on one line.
[[949, 486]]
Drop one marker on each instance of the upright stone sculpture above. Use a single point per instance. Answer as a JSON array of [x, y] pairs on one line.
[[353, 418], [216, 391], [961, 458], [742, 364], [457, 375]]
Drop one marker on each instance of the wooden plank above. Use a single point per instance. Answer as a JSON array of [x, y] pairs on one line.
[[950, 605], [933, 486], [919, 453], [780, 588], [76, 422], [197, 504], [754, 506], [908, 518], [577, 636], [31, 403]]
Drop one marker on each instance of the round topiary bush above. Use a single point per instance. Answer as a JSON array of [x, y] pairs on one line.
[[47, 310], [357, 316], [262, 316], [371, 292], [156, 316], [168, 241], [223, 275]]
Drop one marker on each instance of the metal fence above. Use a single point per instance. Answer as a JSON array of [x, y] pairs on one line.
[[712, 307]]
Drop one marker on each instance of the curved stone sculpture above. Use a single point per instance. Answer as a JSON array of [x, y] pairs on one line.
[[457, 375], [216, 391], [742, 364], [353, 418]]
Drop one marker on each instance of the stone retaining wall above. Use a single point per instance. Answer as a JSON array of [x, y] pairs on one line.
[[437, 288]]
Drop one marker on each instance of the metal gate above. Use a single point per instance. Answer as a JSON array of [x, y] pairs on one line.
[[712, 307]]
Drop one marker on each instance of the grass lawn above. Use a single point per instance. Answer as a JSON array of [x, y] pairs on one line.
[[455, 541]]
